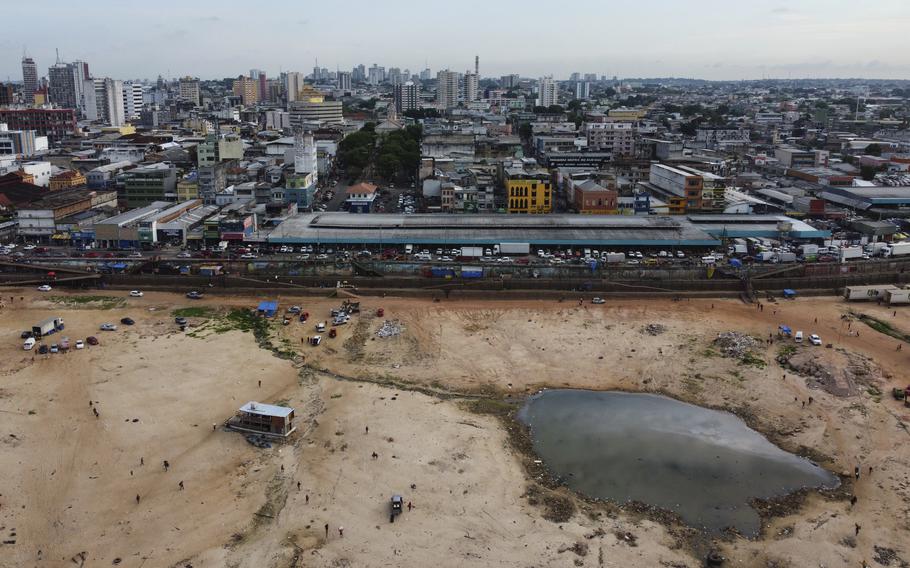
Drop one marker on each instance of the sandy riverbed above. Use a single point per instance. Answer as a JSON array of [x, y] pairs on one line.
[[70, 480]]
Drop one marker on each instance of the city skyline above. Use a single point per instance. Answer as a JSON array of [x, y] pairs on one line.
[[704, 39]]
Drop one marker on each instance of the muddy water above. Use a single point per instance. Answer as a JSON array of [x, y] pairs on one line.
[[704, 465]]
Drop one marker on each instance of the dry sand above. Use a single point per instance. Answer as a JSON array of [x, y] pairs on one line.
[[70, 480]]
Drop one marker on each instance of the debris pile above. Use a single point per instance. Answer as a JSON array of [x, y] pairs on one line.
[[390, 328], [655, 329], [258, 441], [735, 344]]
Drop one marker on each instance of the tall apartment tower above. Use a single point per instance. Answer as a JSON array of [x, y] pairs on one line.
[[548, 94], [344, 80], [470, 87], [447, 88], [29, 79], [188, 89], [109, 101], [405, 96], [132, 99], [304, 152]]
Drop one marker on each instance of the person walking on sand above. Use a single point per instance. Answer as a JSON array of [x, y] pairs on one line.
[[260, 383], [298, 486], [167, 465], [409, 506], [95, 410], [341, 532], [141, 460], [856, 471], [306, 499], [853, 500], [180, 485], [327, 531], [138, 498], [857, 527]]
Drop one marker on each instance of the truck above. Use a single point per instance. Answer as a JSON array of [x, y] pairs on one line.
[[765, 256], [849, 253], [897, 249], [514, 248], [472, 252], [875, 249], [868, 292], [786, 257], [809, 252], [47, 327], [736, 249], [613, 257]]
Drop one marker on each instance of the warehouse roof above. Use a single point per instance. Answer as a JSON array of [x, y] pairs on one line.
[[488, 229], [266, 409]]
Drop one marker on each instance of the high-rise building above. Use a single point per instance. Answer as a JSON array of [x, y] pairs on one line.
[[447, 83], [262, 86], [109, 101], [6, 94], [344, 81], [188, 89], [376, 74], [576, 76], [582, 90], [61, 89], [591, 77], [132, 99], [470, 87], [293, 84], [426, 74], [395, 75], [547, 92], [359, 74], [311, 107], [247, 89], [405, 96], [510, 81], [29, 80]]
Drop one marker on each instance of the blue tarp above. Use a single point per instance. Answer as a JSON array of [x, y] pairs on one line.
[[736, 263], [268, 308], [789, 293], [472, 272], [785, 329]]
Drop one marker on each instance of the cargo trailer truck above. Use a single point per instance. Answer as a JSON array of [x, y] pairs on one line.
[[897, 249], [514, 248], [850, 253]]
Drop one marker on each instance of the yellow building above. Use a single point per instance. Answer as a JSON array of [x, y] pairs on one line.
[[122, 130], [530, 196], [247, 89], [187, 189], [310, 95], [628, 113], [66, 180]]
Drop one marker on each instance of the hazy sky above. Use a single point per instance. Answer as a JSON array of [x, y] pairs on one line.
[[712, 39]]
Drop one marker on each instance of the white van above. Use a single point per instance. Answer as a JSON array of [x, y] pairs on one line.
[[408, 249], [798, 337], [29, 343]]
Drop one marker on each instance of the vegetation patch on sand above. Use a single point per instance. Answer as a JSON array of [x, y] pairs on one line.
[[882, 327], [194, 312], [89, 302]]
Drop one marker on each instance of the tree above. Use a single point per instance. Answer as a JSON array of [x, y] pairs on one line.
[[874, 150], [867, 172], [525, 130], [555, 109]]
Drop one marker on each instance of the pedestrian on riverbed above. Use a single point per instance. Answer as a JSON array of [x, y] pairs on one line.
[[167, 465], [327, 530], [857, 527], [853, 500], [856, 471]]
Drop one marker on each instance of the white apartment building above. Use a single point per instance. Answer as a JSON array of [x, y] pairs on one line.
[[189, 90], [447, 83], [132, 99], [109, 101], [616, 137], [547, 92], [293, 84], [470, 87]]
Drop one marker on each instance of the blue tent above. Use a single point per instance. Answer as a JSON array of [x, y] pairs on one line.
[[789, 293], [785, 329], [268, 309], [736, 263]]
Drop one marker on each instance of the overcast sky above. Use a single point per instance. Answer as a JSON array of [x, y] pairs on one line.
[[711, 39]]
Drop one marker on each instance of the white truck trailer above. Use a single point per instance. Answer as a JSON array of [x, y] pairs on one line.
[[875, 292], [897, 249], [850, 253], [514, 248]]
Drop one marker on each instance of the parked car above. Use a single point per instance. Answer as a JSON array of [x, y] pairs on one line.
[[26, 334], [135, 293], [294, 310], [29, 343], [127, 321], [598, 301], [91, 340], [815, 339], [184, 255], [65, 343], [180, 320], [108, 327], [248, 256], [55, 349], [194, 295], [43, 350], [80, 344], [44, 288]]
